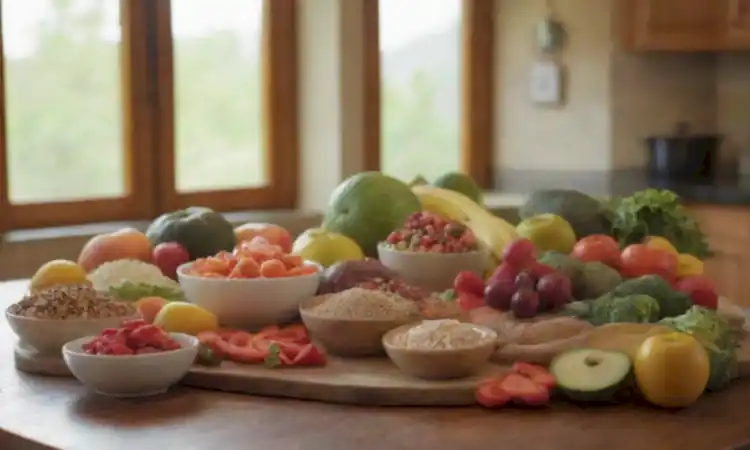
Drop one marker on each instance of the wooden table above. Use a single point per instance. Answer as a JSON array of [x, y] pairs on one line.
[[39, 411]]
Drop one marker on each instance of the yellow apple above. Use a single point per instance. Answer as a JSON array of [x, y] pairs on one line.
[[671, 370], [325, 247]]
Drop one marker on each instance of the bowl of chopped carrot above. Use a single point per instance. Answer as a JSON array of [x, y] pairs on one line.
[[257, 284]]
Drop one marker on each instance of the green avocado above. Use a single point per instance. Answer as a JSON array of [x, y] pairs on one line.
[[591, 376], [202, 231]]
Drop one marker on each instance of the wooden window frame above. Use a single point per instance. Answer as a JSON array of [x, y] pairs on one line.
[[279, 103], [137, 202], [477, 88], [148, 126]]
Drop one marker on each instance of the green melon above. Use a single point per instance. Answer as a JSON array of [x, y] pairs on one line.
[[460, 182], [367, 207]]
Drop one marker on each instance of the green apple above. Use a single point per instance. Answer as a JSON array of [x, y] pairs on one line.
[[326, 247], [548, 232]]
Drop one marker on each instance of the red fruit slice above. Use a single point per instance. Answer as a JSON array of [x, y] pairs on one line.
[[490, 395], [537, 374], [293, 333], [309, 355], [524, 391]]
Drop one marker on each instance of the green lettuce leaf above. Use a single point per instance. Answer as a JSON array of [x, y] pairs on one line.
[[130, 292]]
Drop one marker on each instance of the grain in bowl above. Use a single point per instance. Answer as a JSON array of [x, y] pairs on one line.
[[366, 304], [47, 319]]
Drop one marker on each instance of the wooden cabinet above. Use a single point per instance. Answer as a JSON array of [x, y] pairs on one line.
[[684, 25], [728, 231]]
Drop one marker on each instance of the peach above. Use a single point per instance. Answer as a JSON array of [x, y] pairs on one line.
[[149, 307], [126, 243], [272, 233]]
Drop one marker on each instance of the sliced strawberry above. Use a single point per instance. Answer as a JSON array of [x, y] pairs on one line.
[[524, 391], [267, 332], [309, 355], [535, 373], [490, 395], [240, 338]]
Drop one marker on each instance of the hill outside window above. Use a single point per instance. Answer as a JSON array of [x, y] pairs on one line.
[[122, 110]]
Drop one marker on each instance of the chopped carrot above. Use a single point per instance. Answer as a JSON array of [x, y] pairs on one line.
[[291, 261], [303, 270], [273, 268], [247, 268]]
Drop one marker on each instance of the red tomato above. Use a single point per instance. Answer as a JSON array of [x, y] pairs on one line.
[[639, 260], [701, 291], [597, 247], [468, 282], [490, 395]]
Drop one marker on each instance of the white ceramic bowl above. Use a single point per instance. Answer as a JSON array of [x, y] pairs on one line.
[[249, 303], [47, 336], [131, 375], [433, 272]]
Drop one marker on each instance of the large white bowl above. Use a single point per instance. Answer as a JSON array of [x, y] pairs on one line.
[[131, 375], [430, 271], [47, 336], [249, 303]]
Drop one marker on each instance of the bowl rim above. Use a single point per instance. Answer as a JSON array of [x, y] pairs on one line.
[[382, 245], [9, 314], [305, 305], [439, 351], [193, 346], [182, 267]]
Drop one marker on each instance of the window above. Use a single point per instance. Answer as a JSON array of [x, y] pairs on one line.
[[116, 111], [433, 60]]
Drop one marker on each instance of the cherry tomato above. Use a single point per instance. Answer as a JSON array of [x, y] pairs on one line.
[[639, 260], [597, 247]]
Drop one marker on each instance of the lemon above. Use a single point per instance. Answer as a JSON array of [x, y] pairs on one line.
[[688, 266], [181, 317], [660, 243], [58, 272]]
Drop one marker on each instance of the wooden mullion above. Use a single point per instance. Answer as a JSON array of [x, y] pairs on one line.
[[477, 90], [4, 196], [371, 84], [281, 131]]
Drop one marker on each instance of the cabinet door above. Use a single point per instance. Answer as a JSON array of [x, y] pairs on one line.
[[738, 25], [678, 25]]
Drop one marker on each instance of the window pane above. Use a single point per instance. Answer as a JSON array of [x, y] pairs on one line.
[[217, 94], [420, 64], [62, 68]]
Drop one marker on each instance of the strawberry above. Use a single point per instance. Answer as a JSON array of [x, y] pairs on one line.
[[467, 282]]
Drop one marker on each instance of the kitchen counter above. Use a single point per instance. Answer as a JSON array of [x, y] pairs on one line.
[[512, 186]]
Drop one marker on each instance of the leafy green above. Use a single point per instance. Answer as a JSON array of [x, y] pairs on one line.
[[130, 292], [671, 302], [654, 212], [717, 336], [273, 359], [448, 295], [632, 308]]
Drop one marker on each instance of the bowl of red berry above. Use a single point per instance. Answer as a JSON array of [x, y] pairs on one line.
[[135, 360], [429, 251]]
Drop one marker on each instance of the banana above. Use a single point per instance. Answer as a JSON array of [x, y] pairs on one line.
[[493, 232]]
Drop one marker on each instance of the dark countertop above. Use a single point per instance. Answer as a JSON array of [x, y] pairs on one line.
[[726, 189]]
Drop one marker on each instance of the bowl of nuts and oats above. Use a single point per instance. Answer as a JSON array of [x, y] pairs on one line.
[[45, 320]]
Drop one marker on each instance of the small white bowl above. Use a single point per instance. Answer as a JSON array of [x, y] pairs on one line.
[[47, 336], [433, 272], [131, 375], [249, 303]]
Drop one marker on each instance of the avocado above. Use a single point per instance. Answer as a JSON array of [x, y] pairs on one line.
[[589, 375]]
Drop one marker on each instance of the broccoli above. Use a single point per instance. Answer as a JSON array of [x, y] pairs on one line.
[[671, 303], [632, 308]]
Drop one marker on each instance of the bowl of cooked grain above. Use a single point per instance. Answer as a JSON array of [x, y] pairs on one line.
[[351, 323], [47, 319], [440, 349]]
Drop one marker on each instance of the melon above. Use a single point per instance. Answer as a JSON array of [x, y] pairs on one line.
[[366, 207]]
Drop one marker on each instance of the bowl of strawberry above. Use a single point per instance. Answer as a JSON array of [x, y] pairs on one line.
[[429, 251], [137, 359]]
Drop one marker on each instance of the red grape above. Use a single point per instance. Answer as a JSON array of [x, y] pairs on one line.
[[524, 303], [498, 294], [555, 290], [525, 280]]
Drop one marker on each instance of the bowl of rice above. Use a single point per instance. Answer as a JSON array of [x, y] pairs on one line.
[[352, 323], [440, 349]]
